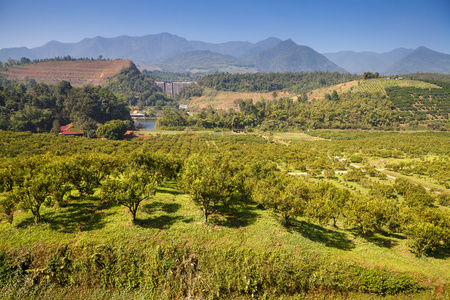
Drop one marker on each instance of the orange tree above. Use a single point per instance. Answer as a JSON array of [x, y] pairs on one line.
[[129, 189]]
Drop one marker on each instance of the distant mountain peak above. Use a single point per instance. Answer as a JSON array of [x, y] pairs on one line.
[[420, 48], [288, 56], [288, 42], [422, 60]]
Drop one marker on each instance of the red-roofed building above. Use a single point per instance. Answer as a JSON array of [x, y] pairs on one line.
[[70, 129], [129, 134]]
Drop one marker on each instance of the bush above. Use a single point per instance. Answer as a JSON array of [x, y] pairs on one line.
[[383, 283], [355, 159], [112, 130], [174, 270]]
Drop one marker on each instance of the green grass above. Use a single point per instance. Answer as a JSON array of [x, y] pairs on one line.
[[171, 216]]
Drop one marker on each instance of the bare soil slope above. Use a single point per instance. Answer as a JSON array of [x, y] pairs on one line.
[[225, 100], [78, 73]]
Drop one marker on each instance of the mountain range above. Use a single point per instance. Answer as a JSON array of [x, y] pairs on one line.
[[173, 53]]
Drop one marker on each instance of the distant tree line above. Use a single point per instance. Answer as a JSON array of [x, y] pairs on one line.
[[268, 82], [427, 76], [26, 60], [172, 76], [370, 75]]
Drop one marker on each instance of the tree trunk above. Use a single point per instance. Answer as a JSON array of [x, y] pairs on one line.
[[37, 217], [133, 214], [206, 213], [36, 214]]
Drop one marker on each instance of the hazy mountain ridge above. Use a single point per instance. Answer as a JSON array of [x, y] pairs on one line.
[[148, 48], [360, 62], [203, 60], [271, 54], [422, 60], [288, 56]]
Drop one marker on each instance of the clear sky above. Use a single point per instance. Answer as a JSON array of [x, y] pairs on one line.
[[324, 25]]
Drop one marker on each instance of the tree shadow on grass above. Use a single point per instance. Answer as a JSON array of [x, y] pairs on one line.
[[380, 239], [73, 217], [329, 238], [162, 221], [168, 191], [440, 252], [164, 206], [169, 187], [234, 216], [79, 216], [26, 222]]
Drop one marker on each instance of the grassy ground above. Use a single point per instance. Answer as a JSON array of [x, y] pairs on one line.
[[172, 216]]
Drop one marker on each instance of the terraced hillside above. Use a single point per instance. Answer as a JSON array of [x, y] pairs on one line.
[[78, 73]]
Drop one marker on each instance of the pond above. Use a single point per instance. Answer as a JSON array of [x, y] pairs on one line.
[[148, 124]]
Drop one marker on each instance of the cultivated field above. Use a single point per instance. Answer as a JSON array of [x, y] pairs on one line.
[[78, 73]]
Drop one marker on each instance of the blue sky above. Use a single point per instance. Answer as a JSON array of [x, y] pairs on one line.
[[324, 25]]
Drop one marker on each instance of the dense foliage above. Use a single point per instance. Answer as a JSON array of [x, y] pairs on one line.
[[46, 107], [268, 82], [428, 76], [190, 91], [345, 111]]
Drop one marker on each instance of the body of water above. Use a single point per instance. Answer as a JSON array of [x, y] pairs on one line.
[[146, 124]]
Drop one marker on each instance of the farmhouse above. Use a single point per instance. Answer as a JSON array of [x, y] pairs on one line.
[[129, 134], [70, 129]]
